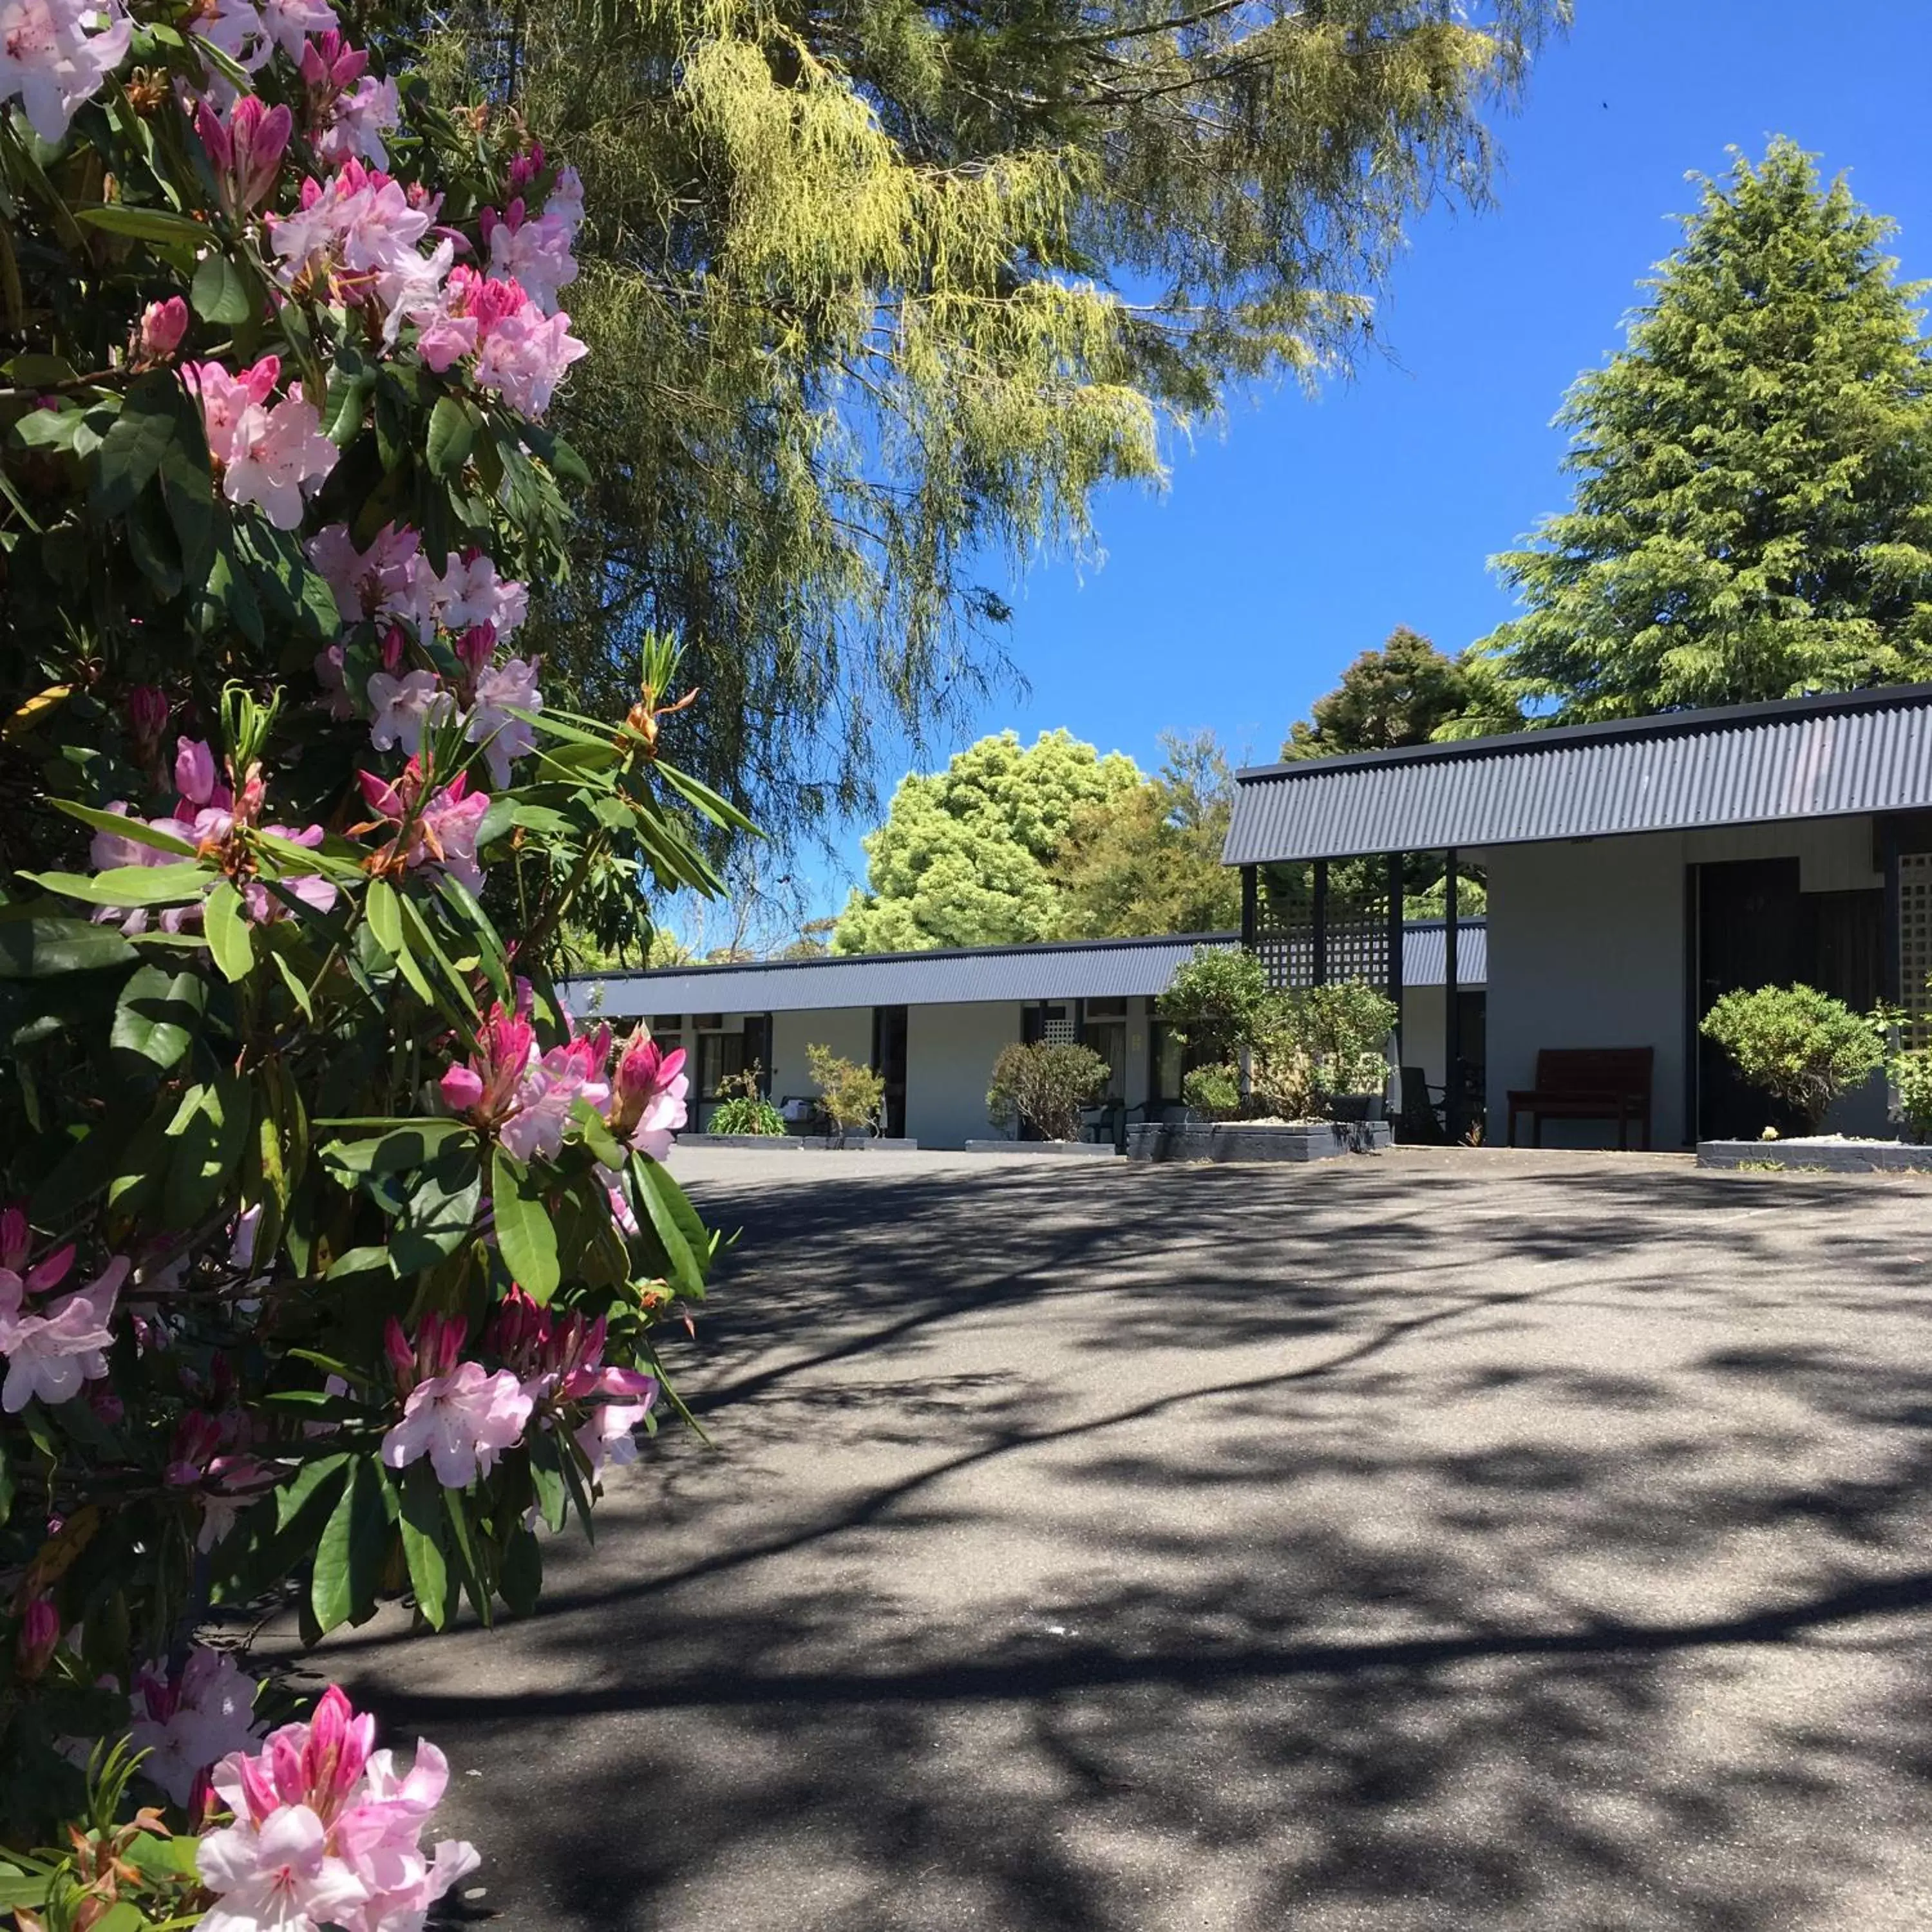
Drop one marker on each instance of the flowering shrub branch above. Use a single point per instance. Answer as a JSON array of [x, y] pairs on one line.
[[334, 1255]]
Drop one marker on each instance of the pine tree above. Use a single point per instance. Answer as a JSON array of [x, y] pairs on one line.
[[1752, 516], [1403, 694]]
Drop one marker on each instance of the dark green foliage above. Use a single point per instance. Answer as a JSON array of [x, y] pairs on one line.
[[1799, 1046], [1753, 517], [1045, 1083]]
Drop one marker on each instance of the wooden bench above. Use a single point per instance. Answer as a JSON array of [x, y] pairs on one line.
[[1588, 1083]]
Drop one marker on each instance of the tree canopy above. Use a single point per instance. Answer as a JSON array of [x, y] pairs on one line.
[[1403, 694], [1149, 862], [962, 858], [1752, 516], [880, 294]]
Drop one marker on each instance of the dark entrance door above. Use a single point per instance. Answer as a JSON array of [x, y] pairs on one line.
[[1749, 935], [888, 1058]]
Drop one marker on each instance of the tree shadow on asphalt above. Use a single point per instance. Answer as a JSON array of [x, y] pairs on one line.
[[1657, 1661]]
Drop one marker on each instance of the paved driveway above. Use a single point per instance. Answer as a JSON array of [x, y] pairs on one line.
[[1444, 1541]]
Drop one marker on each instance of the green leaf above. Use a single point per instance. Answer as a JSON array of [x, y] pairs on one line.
[[124, 825], [146, 224], [384, 912], [230, 937], [456, 1505], [405, 1145], [47, 429], [521, 1580], [312, 1480], [440, 1213], [6, 1490], [133, 885], [553, 1496], [425, 1526], [123, 1915], [40, 949], [675, 1222], [349, 1559], [451, 434], [424, 941], [525, 1234], [131, 450], [220, 292], [156, 1015], [209, 1130], [694, 791]]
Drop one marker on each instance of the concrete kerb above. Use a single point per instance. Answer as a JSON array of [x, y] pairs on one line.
[[1077, 1149], [1250, 1141], [1822, 1154]]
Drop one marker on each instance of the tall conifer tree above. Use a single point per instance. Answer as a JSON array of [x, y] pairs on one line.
[[1753, 517]]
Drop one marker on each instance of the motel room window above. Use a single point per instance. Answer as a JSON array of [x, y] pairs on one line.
[[720, 1055], [1106, 1034]]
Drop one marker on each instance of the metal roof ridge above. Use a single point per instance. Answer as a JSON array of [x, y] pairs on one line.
[[1609, 730], [1016, 947]]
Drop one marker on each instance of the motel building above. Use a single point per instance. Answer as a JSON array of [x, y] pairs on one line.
[[1634, 872]]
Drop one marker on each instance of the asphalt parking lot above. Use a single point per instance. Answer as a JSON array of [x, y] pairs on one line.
[[1421, 1543]]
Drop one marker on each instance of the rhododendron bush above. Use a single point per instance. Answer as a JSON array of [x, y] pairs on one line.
[[332, 1251]]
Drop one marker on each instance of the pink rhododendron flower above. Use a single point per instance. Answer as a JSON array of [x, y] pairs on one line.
[[498, 688], [462, 1422], [326, 1832], [389, 581], [535, 254], [50, 1356], [565, 200], [55, 54], [442, 833], [265, 453], [354, 237], [404, 706], [290, 22], [359, 120], [526, 355], [187, 1724], [469, 592], [485, 1090], [551, 1087], [605, 1436], [649, 1086]]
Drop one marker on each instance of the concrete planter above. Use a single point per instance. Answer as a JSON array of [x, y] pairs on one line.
[[1238, 1141], [1836, 1157], [1102, 1149], [855, 1143]]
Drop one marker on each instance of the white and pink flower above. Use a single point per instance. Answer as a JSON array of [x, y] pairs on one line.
[[56, 54], [265, 454], [462, 1421], [187, 1722], [328, 1833], [50, 1356]]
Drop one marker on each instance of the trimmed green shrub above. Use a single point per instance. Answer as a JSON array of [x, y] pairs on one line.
[[1911, 1076], [1800, 1046], [1045, 1085], [1213, 1091]]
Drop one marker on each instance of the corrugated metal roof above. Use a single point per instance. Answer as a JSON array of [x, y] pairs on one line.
[[1096, 969], [1814, 757]]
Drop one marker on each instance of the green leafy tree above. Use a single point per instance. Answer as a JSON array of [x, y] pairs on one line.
[[962, 858], [1150, 861], [1404, 693], [853, 1095], [1753, 517], [881, 293]]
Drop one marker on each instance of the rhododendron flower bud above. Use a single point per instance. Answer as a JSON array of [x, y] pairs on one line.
[[197, 1436], [331, 62], [39, 1637], [476, 646], [162, 326], [395, 641], [147, 714], [261, 138], [402, 1358], [16, 1236], [649, 1088], [195, 776]]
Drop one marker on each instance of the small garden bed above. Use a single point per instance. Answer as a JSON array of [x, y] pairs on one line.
[[1831, 1153], [1254, 1140]]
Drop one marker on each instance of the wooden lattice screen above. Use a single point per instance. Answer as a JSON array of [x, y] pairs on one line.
[[1356, 927]]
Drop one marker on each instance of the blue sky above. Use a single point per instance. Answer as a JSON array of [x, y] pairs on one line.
[[1301, 532]]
